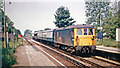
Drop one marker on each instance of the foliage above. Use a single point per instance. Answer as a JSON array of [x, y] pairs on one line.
[[1, 15], [96, 11], [63, 18], [101, 12], [108, 42], [10, 27], [28, 32], [110, 24], [8, 57], [2, 19], [17, 32]]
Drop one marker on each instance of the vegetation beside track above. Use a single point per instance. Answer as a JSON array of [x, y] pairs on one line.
[[108, 42], [8, 57]]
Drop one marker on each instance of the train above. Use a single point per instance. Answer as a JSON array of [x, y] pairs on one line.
[[78, 39]]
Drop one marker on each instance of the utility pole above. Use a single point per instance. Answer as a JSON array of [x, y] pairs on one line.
[[5, 41]]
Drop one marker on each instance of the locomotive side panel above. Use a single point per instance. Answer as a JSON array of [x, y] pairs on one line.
[[64, 37]]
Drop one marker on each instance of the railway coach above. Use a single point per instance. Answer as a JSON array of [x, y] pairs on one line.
[[79, 39], [45, 36]]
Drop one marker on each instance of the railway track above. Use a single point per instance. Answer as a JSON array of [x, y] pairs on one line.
[[77, 60], [93, 63], [70, 59]]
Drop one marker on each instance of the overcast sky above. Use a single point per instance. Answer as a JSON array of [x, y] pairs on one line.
[[39, 14]]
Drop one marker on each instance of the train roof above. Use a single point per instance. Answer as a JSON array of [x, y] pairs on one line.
[[42, 31], [75, 26], [51, 30], [48, 30]]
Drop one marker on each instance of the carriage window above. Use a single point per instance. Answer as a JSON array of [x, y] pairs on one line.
[[79, 31], [85, 31], [57, 33], [90, 31]]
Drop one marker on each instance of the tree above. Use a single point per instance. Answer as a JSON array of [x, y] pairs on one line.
[[17, 32], [28, 32], [2, 19], [110, 25], [97, 11], [63, 18], [7, 20]]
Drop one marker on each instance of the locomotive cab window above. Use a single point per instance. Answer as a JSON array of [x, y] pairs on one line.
[[85, 31], [90, 31], [79, 31]]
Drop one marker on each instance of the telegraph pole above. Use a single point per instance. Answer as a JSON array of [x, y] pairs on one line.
[[5, 41]]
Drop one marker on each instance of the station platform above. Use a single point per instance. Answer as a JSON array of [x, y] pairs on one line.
[[28, 56], [108, 49]]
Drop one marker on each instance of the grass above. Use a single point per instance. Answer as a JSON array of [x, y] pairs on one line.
[[17, 43], [8, 57], [108, 42], [1, 53]]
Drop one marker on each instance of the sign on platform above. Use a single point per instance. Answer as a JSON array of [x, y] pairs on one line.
[[118, 34], [100, 35], [19, 36]]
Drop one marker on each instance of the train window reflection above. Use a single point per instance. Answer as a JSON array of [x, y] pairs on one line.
[[85, 31], [90, 31], [79, 31]]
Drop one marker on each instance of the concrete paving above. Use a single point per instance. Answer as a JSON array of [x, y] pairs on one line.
[[108, 49], [37, 58], [28, 56]]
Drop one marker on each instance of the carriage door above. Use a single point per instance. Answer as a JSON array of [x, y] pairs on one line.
[[55, 36]]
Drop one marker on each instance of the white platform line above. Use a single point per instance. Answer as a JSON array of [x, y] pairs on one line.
[[28, 56], [51, 57]]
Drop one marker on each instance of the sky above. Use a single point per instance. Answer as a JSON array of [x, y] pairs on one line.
[[39, 14]]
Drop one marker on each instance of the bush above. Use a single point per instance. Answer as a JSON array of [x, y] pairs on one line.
[[8, 57], [108, 42]]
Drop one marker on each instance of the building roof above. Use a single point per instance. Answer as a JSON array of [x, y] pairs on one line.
[[75, 26]]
